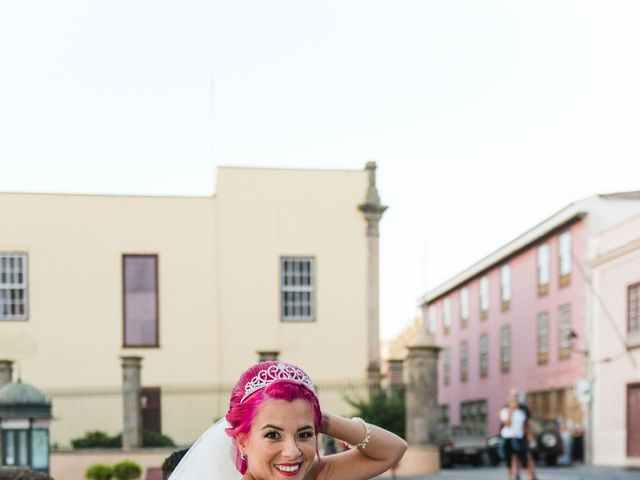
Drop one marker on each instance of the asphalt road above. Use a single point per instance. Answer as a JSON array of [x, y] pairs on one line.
[[544, 473]]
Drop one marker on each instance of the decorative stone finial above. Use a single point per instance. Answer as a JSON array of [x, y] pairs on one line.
[[372, 208]]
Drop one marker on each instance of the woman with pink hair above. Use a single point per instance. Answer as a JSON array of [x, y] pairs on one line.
[[271, 432]]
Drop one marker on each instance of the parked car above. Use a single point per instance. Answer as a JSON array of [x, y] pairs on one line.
[[459, 444], [546, 445]]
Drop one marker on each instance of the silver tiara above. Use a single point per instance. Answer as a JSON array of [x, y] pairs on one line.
[[275, 373]]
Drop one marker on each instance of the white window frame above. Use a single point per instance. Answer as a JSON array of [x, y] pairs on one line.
[[543, 264], [484, 293], [9, 282], [564, 253], [446, 314], [303, 311], [433, 324], [505, 283], [464, 304]]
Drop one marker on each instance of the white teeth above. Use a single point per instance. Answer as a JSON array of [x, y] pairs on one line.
[[287, 468]]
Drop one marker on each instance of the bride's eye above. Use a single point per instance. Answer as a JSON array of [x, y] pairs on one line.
[[272, 434], [306, 434]]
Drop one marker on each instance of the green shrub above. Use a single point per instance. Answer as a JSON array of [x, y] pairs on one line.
[[96, 440], [99, 472], [386, 412], [127, 470], [154, 439], [102, 440]]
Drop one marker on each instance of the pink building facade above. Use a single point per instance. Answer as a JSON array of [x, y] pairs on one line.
[[519, 318]]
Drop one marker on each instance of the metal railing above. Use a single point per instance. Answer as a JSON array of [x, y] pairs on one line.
[[186, 410]]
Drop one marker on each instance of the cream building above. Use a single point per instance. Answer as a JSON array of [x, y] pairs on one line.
[[276, 261], [614, 352]]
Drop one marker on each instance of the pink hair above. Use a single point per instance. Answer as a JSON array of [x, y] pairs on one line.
[[240, 415]]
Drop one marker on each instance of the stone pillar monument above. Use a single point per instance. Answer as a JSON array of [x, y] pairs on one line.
[[421, 396], [396, 379], [132, 414], [373, 210], [6, 372]]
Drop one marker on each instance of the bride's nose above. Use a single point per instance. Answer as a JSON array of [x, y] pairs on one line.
[[290, 449]]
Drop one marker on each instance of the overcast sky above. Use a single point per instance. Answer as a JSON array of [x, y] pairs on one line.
[[484, 117]]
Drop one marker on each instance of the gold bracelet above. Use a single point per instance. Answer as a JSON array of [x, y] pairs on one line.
[[367, 434]]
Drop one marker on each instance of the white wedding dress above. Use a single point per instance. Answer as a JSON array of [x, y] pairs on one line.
[[211, 457]]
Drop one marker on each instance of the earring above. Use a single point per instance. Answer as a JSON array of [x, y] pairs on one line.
[[243, 456]]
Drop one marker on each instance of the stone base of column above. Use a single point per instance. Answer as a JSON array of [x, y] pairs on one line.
[[418, 461]]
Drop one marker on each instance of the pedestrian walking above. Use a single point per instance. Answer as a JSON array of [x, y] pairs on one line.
[[513, 419]]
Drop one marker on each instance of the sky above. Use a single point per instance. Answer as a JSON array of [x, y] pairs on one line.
[[484, 118]]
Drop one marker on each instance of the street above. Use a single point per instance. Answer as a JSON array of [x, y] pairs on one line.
[[544, 473]]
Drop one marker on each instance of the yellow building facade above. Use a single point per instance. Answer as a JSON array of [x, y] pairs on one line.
[[276, 261]]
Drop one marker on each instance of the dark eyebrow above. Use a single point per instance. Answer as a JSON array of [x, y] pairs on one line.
[[280, 429], [268, 425]]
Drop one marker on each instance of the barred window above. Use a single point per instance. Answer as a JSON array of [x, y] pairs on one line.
[[464, 361], [13, 286], [443, 416], [564, 331], [633, 295], [446, 366], [543, 337], [297, 288], [484, 355], [505, 348], [473, 417]]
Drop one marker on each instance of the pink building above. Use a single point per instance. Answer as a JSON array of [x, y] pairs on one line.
[[521, 318]]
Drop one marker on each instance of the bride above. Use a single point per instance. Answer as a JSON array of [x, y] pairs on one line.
[[271, 432]]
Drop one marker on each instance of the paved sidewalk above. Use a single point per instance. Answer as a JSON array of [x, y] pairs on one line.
[[544, 473]]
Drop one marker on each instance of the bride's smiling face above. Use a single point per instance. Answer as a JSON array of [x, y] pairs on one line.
[[282, 441]]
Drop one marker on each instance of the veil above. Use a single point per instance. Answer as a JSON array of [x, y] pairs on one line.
[[211, 457]]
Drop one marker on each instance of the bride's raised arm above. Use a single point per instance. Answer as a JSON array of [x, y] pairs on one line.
[[373, 449]]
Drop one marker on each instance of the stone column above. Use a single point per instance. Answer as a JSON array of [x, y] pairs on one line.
[[422, 392], [132, 413], [421, 396], [266, 355], [373, 210], [396, 379], [6, 372]]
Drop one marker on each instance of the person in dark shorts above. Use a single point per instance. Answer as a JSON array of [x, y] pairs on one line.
[[513, 420], [528, 457]]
